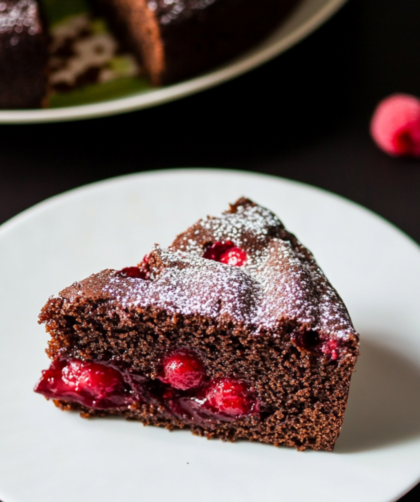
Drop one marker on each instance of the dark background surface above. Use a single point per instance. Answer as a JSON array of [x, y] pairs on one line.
[[303, 116]]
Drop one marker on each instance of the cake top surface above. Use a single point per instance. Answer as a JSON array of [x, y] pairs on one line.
[[277, 284], [17, 16]]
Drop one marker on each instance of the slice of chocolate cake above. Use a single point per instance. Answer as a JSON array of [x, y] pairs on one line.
[[23, 55], [180, 38], [233, 332]]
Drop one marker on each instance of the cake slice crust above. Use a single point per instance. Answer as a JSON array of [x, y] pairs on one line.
[[23, 55]]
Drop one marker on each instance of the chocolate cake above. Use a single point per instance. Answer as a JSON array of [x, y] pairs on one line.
[[233, 332], [172, 40], [23, 55], [181, 38]]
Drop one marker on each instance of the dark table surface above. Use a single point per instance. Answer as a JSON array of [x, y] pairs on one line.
[[303, 116]]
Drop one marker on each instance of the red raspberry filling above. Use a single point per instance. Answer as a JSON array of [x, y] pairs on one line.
[[140, 272], [134, 272], [183, 370], [311, 342], [91, 384], [183, 390], [331, 349], [227, 253], [230, 397], [223, 400]]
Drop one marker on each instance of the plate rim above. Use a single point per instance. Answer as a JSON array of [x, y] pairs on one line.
[[48, 203], [44, 204], [250, 60]]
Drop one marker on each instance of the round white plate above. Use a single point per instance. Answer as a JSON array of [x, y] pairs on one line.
[[307, 17], [47, 455]]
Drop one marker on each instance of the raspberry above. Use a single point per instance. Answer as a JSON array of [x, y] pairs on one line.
[[231, 397], [133, 272], [92, 384], [234, 257], [142, 271], [183, 370], [395, 125], [311, 342], [227, 253], [94, 379], [51, 383], [331, 349]]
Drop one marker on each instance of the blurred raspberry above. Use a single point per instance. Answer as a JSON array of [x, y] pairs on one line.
[[395, 125]]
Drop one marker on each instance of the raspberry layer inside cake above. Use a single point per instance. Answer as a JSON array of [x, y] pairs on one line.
[[233, 332]]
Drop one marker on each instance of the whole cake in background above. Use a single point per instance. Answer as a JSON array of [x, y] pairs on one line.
[[169, 42], [233, 332], [181, 38]]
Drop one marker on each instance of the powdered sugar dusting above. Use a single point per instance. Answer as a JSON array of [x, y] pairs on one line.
[[188, 284], [280, 282], [248, 225]]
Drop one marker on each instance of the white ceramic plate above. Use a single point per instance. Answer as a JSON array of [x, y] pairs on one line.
[[47, 455], [307, 17]]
